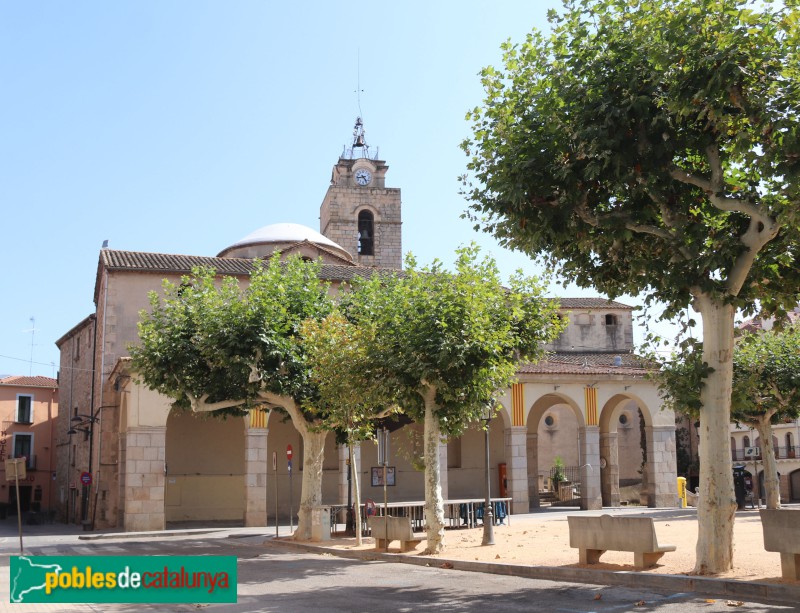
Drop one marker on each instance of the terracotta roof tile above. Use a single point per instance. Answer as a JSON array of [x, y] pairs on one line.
[[588, 363], [165, 263], [592, 303], [23, 381]]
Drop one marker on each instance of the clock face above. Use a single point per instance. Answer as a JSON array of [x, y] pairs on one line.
[[363, 176]]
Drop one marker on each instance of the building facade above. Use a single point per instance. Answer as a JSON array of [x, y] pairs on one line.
[[29, 408], [153, 466]]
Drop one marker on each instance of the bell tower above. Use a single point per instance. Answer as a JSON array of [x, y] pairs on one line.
[[359, 212]]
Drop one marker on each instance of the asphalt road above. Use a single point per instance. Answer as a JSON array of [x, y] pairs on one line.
[[275, 578]]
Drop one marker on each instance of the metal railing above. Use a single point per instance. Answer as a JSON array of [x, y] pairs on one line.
[[781, 453]]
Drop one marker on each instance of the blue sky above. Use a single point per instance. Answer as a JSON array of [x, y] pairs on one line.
[[180, 127]]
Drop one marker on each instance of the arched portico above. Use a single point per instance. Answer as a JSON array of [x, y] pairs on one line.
[[205, 468]]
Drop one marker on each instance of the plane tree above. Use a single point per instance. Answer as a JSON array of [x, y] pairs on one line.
[[766, 391], [651, 147], [445, 344], [341, 369], [213, 345]]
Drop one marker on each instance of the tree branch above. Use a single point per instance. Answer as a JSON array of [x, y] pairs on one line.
[[199, 405], [287, 403]]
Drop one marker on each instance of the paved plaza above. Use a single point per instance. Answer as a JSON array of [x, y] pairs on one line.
[[279, 576]]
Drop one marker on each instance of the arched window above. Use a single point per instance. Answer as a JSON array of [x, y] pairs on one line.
[[789, 445], [366, 233], [746, 441]]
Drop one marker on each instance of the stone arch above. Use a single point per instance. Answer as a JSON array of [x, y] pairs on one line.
[[504, 413], [570, 418], [205, 468], [621, 447]]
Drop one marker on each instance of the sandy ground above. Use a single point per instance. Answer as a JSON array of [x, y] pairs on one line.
[[543, 539]]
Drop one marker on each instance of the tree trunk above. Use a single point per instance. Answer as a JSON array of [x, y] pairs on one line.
[[311, 495], [313, 450], [771, 490], [716, 506], [434, 505]]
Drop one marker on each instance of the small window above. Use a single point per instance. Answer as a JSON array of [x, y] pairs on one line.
[[623, 419], [24, 409], [611, 319], [584, 319], [746, 441], [366, 233], [549, 421], [23, 447]]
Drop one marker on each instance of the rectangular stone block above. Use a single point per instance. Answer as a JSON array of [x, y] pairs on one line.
[[150, 453], [135, 453]]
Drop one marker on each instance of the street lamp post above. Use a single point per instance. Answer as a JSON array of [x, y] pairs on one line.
[[85, 423], [488, 514]]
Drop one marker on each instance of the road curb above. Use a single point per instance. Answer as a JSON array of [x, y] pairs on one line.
[[139, 535], [726, 588]]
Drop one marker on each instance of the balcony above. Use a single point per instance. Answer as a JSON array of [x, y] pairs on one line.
[[781, 453]]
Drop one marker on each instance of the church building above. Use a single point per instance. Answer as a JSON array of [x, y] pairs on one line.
[[590, 407]]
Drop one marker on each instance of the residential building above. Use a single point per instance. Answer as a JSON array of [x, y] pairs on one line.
[[28, 409]]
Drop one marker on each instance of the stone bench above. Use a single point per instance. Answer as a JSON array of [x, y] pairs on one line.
[[399, 529], [782, 534], [593, 536]]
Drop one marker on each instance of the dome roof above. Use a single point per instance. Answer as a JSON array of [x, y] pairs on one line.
[[284, 233], [281, 235]]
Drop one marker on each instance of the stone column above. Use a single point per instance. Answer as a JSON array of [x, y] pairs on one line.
[[591, 492], [532, 458], [516, 438], [661, 466], [610, 474], [255, 477], [145, 478]]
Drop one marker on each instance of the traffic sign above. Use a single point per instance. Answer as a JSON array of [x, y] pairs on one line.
[[289, 452], [86, 478], [290, 467]]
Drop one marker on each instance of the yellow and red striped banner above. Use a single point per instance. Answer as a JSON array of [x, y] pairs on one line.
[[258, 418], [517, 404], [590, 394]]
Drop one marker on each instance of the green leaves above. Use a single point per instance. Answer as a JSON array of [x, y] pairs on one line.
[[209, 337], [458, 332], [642, 136]]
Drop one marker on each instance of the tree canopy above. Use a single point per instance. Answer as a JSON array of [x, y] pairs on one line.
[[648, 136], [215, 346], [446, 343], [651, 147]]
